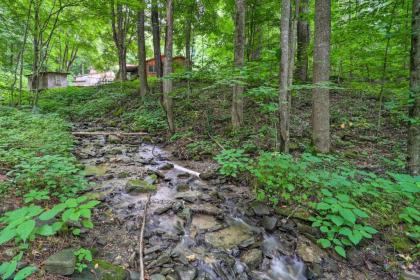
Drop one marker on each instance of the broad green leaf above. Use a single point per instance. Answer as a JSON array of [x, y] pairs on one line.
[[340, 250], [25, 229], [48, 215], [85, 213], [6, 235], [347, 215], [46, 230], [336, 220], [370, 230], [87, 224], [90, 204], [355, 237], [360, 213], [343, 197], [9, 269], [345, 231], [25, 272], [323, 206], [325, 243]]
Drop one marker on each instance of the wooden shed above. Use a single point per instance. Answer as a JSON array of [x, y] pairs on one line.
[[48, 79]]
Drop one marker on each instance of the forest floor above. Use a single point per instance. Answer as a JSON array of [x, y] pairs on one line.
[[202, 225]]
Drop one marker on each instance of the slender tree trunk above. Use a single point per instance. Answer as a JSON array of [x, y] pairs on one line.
[[414, 109], [141, 43], [119, 36], [321, 99], [156, 39], [256, 50], [188, 27], [238, 90], [283, 128], [303, 39], [385, 66], [36, 58], [167, 70]]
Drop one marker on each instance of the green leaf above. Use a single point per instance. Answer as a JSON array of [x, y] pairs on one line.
[[90, 204], [24, 230], [325, 243], [345, 231], [347, 215], [9, 269], [85, 213], [360, 213], [6, 235], [25, 272], [370, 230], [323, 206], [355, 237], [324, 229], [343, 197], [48, 215], [336, 220], [340, 250], [76, 231], [326, 192], [87, 224], [46, 230], [71, 203]]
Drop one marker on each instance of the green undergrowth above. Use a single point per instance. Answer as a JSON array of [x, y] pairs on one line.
[[36, 164], [347, 205]]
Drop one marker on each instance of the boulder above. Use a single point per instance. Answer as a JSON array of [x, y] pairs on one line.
[[260, 209], [102, 270], [230, 237], [269, 223], [252, 258], [139, 186], [186, 273], [61, 263]]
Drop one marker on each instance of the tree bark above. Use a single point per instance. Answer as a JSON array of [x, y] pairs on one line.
[[188, 28], [238, 90], [414, 109], [141, 43], [156, 39], [283, 128], [119, 22], [167, 69], [321, 75], [303, 39]]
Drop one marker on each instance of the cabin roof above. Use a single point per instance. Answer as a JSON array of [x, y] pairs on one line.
[[49, 72]]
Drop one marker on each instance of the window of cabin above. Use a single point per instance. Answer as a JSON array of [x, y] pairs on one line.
[[151, 69]]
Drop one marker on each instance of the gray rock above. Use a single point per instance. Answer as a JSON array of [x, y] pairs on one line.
[[252, 258], [163, 209], [208, 175], [309, 253], [61, 263], [410, 275], [114, 139], [269, 223], [157, 277], [185, 273], [167, 166], [182, 188], [261, 209]]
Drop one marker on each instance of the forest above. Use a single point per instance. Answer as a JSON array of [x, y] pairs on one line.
[[209, 139]]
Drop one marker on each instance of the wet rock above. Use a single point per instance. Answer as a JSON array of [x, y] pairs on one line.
[[139, 186], [204, 222], [206, 208], [309, 253], [163, 209], [115, 151], [151, 179], [182, 188], [230, 237], [185, 214], [177, 205], [410, 275], [102, 270], [185, 273], [269, 223], [188, 196], [355, 256], [113, 139], [157, 277], [260, 209], [252, 258], [61, 263], [98, 170], [183, 175], [208, 175], [134, 275], [167, 166]]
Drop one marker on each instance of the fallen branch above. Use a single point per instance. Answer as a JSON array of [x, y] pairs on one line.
[[82, 133], [141, 246]]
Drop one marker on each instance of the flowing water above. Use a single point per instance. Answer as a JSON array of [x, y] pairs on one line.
[[195, 229]]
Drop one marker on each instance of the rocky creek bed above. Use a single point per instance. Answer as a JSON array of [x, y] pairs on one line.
[[198, 225]]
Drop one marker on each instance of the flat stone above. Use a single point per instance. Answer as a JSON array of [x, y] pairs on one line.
[[182, 188], [139, 186], [61, 263], [206, 208], [230, 237], [410, 275], [189, 273], [269, 223], [204, 222], [252, 258], [96, 170], [157, 277], [114, 139], [260, 209], [309, 253], [167, 166]]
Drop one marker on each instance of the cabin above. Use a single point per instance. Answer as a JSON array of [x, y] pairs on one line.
[[179, 62], [94, 78], [48, 79]]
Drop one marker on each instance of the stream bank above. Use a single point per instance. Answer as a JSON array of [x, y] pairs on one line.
[[198, 226]]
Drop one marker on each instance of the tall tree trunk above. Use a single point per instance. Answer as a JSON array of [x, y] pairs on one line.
[[119, 36], [238, 90], [283, 128], [303, 39], [188, 27], [414, 110], [156, 39], [320, 94], [141, 43], [257, 48], [167, 69], [37, 52]]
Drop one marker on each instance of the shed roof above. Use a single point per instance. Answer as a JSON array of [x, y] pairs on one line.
[[49, 72]]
